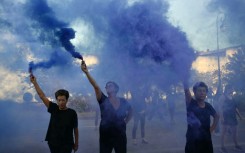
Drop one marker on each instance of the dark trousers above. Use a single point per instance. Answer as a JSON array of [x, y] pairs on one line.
[[199, 146], [139, 118], [54, 148], [119, 144]]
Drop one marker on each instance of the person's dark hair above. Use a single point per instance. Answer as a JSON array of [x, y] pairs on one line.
[[227, 88], [115, 85], [62, 92], [199, 84]]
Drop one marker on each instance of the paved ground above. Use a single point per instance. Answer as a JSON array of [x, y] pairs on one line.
[[27, 135]]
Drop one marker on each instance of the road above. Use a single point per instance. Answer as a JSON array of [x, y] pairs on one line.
[[27, 136]]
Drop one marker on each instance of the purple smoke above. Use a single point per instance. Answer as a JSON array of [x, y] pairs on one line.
[[56, 59], [65, 34], [142, 31], [51, 29], [234, 11]]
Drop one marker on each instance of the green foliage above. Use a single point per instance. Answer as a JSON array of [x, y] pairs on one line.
[[81, 103], [236, 73]]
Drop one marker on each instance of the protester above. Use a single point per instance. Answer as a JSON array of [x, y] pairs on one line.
[[116, 112], [63, 121], [198, 136]]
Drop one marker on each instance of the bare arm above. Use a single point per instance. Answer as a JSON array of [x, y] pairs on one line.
[[215, 122], [97, 89], [76, 134], [188, 96], [39, 90], [129, 116], [238, 113]]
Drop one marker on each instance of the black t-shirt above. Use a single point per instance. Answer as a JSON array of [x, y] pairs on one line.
[[112, 122], [61, 125], [199, 121], [138, 102], [138, 105], [229, 111]]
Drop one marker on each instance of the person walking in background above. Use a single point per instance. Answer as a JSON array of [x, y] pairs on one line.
[[156, 106], [139, 114], [198, 136], [116, 112], [171, 105], [63, 121], [229, 110]]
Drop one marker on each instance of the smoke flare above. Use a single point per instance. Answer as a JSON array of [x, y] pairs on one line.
[[51, 30]]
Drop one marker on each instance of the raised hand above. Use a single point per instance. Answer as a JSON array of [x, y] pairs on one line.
[[33, 78], [84, 67]]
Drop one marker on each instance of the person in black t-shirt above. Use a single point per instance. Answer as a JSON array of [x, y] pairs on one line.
[[198, 136], [115, 114], [63, 121]]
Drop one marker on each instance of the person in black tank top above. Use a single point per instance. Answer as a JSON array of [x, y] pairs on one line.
[[116, 112]]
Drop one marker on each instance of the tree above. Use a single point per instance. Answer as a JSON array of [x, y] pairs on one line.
[[236, 72]]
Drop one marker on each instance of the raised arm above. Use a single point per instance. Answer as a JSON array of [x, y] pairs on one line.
[[97, 89], [39, 90], [187, 93], [220, 107]]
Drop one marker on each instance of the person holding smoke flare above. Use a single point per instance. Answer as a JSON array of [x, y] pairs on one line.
[[63, 121], [116, 112], [229, 110], [198, 136]]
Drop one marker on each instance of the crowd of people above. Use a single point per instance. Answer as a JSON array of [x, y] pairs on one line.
[[115, 112]]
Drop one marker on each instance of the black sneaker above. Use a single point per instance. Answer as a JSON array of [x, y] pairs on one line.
[[238, 148]]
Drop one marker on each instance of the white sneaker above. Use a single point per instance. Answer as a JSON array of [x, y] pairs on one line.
[[134, 141], [144, 141]]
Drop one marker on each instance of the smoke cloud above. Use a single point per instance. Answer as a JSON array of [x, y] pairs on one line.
[[51, 31], [135, 45], [142, 39], [233, 21]]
